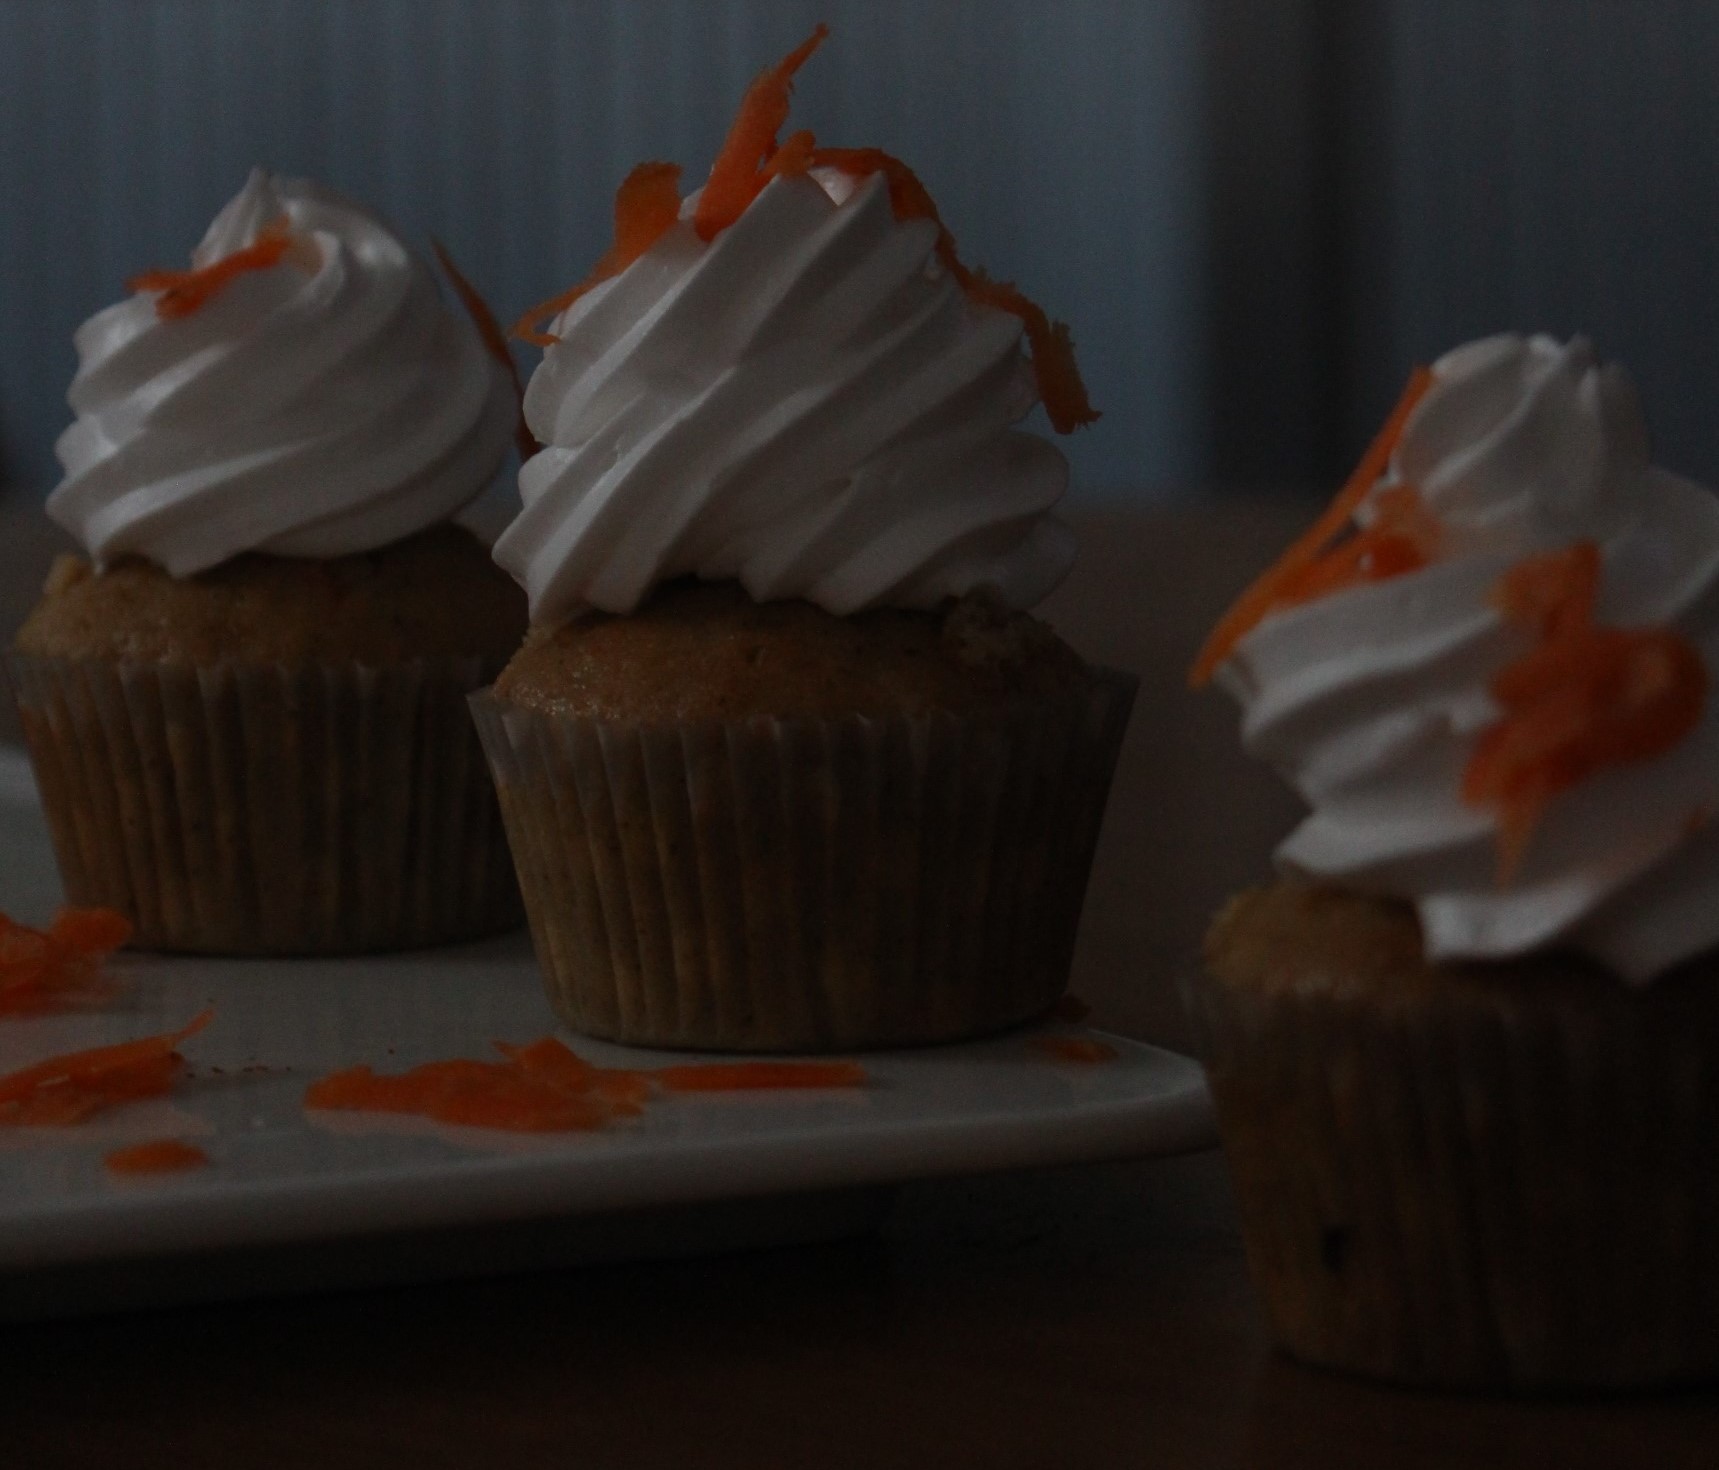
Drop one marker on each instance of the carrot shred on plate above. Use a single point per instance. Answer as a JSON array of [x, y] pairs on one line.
[[758, 1076], [1082, 1049], [70, 1088], [494, 339], [646, 205], [1401, 538], [185, 292], [1583, 698], [545, 1087], [49, 969], [750, 157], [158, 1156]]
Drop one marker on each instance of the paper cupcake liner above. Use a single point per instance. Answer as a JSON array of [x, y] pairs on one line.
[[1512, 1187], [250, 809], [803, 885]]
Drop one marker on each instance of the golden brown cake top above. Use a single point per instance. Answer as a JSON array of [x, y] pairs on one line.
[[1312, 938], [433, 594], [706, 651]]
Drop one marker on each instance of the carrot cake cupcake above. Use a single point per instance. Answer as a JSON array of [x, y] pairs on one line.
[[1465, 1051], [245, 708], [784, 762]]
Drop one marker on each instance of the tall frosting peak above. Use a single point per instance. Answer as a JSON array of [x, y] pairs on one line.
[[302, 390], [790, 380], [1381, 697]]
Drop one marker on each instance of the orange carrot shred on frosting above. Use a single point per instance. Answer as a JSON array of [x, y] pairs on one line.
[[158, 1156], [758, 1076], [184, 292], [741, 168], [494, 339], [70, 1088], [646, 205], [47, 969], [749, 159], [1583, 698], [1393, 545], [1049, 344]]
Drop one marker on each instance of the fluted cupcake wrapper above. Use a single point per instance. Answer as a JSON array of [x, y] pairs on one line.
[[254, 809], [802, 885], [1501, 1190]]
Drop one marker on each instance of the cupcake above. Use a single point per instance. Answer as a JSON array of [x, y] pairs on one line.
[[1465, 1050], [784, 762], [246, 707]]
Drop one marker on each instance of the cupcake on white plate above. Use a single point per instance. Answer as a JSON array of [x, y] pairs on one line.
[[1465, 1048], [244, 704], [785, 761]]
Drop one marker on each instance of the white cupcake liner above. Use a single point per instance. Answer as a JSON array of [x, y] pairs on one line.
[[803, 885], [1511, 1187], [252, 809]]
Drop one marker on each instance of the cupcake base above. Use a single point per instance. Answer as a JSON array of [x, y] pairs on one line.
[[253, 809], [806, 884], [1485, 1176]]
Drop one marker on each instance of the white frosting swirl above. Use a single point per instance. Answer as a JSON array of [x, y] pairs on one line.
[[809, 404], [1369, 701], [325, 405]]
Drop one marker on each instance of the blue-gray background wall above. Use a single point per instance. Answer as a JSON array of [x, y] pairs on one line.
[[1255, 213]]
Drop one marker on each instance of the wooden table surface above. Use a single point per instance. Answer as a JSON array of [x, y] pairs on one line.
[[1081, 1317]]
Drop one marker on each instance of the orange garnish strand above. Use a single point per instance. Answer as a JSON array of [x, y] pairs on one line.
[[46, 969], [1076, 1049], [184, 292], [741, 169], [750, 158], [1049, 344], [489, 329], [159, 1156], [646, 205], [758, 1076], [70, 1088], [1582, 699], [476, 1094], [544, 1087], [1313, 566]]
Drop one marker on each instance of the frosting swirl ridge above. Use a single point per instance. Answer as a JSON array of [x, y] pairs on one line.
[[324, 405], [809, 404], [1370, 701]]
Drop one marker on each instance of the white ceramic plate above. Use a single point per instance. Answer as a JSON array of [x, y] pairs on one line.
[[279, 1177]]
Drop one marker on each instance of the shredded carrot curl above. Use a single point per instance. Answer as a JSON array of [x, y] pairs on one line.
[[47, 969], [184, 292], [159, 1156], [1049, 344], [749, 159], [545, 1087], [68, 1089], [646, 205], [1582, 699], [1402, 539], [1082, 1049], [494, 339], [742, 168]]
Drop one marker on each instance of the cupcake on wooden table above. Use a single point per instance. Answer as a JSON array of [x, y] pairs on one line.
[[1465, 1051], [784, 762], [246, 708]]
